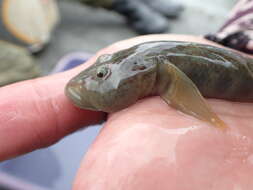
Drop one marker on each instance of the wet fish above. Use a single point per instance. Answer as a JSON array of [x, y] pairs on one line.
[[180, 72]]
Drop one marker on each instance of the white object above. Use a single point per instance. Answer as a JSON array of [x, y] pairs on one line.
[[30, 21]]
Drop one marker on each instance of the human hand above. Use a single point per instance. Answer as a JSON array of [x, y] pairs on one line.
[[146, 146]]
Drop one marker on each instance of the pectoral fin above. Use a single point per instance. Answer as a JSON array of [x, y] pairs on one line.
[[183, 94]]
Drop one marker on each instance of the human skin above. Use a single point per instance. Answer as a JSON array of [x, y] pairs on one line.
[[146, 146]]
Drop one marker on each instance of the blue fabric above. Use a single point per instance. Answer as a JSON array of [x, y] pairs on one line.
[[70, 61], [73, 63]]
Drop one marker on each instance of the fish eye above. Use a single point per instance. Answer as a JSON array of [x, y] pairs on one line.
[[103, 72]]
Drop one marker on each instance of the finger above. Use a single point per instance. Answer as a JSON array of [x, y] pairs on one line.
[[36, 113], [151, 146]]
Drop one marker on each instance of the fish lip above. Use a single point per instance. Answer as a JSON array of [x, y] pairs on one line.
[[74, 93]]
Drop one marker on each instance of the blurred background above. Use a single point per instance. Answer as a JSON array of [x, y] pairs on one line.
[[84, 28], [74, 32]]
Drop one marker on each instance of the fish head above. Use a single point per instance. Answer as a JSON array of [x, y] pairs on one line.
[[111, 84]]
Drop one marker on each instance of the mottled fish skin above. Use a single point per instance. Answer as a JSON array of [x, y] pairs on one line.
[[218, 73], [156, 68]]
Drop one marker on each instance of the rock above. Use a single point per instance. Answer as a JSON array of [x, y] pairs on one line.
[[28, 23], [16, 64]]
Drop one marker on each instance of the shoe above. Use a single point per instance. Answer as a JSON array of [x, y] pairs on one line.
[[140, 17], [167, 8]]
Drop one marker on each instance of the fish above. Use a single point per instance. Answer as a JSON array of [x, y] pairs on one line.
[[181, 73]]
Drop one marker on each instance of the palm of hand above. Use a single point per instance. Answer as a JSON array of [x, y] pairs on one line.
[[151, 146]]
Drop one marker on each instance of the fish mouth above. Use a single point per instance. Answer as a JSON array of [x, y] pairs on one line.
[[78, 96]]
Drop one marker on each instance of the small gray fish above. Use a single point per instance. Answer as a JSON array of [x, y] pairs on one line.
[[180, 72]]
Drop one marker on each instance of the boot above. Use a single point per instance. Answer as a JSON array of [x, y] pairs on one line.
[[167, 8], [141, 17]]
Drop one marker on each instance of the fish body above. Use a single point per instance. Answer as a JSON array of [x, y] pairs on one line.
[[180, 72]]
